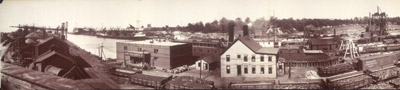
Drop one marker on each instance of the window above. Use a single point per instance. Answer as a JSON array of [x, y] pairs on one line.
[[155, 58], [262, 70], [270, 69], [208, 50], [205, 66], [253, 69], [245, 58], [269, 59], [125, 48], [253, 58], [199, 64], [238, 56], [228, 69], [139, 49], [227, 58], [155, 50], [245, 69], [280, 66], [262, 58]]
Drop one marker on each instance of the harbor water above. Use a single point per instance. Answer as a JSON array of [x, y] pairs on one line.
[[92, 44]]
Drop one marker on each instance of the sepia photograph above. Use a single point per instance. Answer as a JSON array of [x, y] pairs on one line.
[[199, 44]]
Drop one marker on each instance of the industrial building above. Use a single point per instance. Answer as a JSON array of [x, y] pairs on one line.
[[160, 54], [329, 45], [299, 57]]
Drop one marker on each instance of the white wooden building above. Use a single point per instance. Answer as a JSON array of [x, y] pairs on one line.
[[246, 58]]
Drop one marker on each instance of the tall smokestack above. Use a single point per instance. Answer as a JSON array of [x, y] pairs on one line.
[[66, 29], [245, 30], [334, 32], [231, 31], [62, 30]]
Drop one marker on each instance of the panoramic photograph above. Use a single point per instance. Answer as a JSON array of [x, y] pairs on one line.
[[199, 44]]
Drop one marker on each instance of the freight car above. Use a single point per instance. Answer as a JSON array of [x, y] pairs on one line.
[[301, 84], [252, 85], [379, 86], [335, 69], [384, 48], [376, 61], [351, 80], [149, 81], [171, 82], [384, 73], [186, 82]]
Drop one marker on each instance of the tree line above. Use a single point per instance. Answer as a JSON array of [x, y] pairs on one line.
[[287, 25]]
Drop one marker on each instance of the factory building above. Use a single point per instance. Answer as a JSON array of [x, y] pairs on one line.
[[299, 57], [160, 54], [329, 45]]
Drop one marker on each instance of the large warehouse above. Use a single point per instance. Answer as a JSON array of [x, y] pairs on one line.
[[160, 54]]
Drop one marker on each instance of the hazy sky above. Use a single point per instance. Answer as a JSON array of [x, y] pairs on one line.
[[121, 13]]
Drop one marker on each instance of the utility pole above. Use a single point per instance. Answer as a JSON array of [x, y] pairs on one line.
[[201, 64]]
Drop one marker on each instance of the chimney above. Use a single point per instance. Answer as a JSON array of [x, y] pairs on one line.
[[245, 30], [231, 31], [334, 32], [66, 29], [62, 30]]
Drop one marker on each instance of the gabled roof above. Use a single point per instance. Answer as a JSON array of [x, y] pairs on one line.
[[52, 53], [250, 43], [48, 39], [254, 46], [209, 59], [268, 50]]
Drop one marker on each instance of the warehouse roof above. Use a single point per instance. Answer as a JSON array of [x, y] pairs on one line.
[[156, 42], [318, 41]]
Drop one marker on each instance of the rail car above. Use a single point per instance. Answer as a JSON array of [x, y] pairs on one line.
[[335, 69], [351, 80], [149, 81], [252, 85], [384, 73], [170, 82], [385, 48], [304, 84], [187, 82], [301, 84]]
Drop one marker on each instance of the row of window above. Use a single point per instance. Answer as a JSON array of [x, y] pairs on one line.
[[253, 58], [201, 50], [140, 49], [253, 69]]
